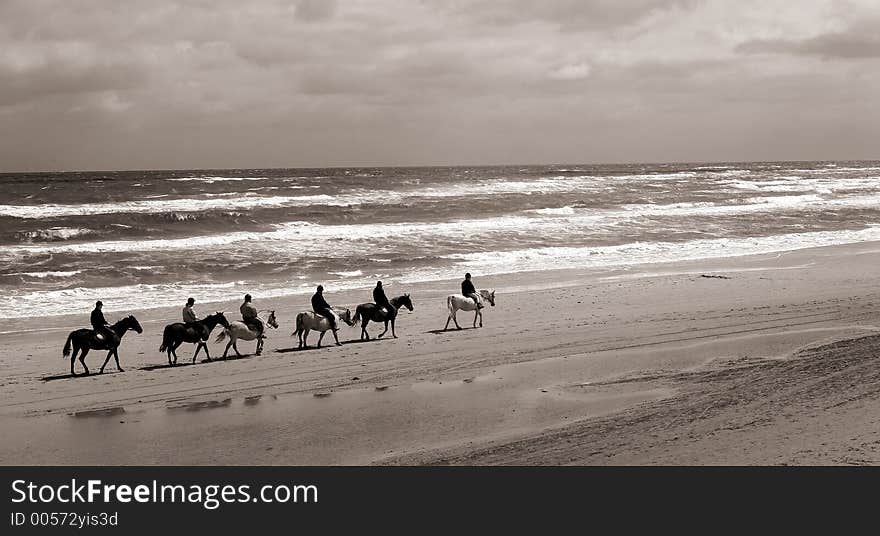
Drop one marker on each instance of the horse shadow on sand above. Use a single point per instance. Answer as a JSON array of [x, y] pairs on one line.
[[442, 331], [200, 362], [324, 346], [69, 376]]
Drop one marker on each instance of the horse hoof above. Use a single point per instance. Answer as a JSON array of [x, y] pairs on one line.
[[121, 370]]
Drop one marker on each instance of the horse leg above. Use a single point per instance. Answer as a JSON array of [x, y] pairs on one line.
[[198, 347], [259, 349], [476, 314], [82, 359], [384, 332], [228, 346], [481, 316], [448, 318], [336, 337], [73, 360], [392, 328], [235, 347], [207, 353], [109, 355], [116, 357], [321, 337], [174, 351], [364, 334], [305, 338], [455, 319]]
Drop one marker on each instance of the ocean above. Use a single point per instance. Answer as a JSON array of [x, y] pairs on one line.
[[141, 239]]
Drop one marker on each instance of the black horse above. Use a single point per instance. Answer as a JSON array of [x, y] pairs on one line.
[[86, 339], [197, 333], [370, 311]]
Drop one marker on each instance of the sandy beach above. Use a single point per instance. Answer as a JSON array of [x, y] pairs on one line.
[[764, 359]]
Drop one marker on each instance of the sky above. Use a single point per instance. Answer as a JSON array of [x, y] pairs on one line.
[[179, 84]]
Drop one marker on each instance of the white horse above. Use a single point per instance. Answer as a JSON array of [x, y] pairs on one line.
[[307, 321], [458, 302], [240, 330]]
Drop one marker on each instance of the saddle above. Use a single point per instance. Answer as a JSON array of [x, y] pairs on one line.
[[253, 325]]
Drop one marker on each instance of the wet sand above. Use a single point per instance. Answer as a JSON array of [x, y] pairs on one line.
[[764, 359]]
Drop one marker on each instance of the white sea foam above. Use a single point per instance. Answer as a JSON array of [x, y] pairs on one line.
[[55, 233], [558, 211], [498, 262], [166, 205], [354, 273], [144, 296], [729, 179], [132, 298], [44, 275], [211, 180], [327, 239]]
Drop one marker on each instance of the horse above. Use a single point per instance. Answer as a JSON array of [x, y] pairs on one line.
[[457, 302], [370, 311], [308, 320], [86, 339], [240, 330], [197, 333]]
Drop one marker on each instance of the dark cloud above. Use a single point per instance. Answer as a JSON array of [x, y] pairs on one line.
[[567, 14], [832, 45], [315, 10], [212, 83]]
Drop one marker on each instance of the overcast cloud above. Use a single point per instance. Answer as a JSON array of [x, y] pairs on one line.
[[104, 84]]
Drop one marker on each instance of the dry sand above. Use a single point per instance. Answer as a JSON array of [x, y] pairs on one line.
[[770, 360]]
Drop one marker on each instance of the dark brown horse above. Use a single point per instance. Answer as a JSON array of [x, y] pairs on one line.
[[370, 311], [197, 333], [86, 339]]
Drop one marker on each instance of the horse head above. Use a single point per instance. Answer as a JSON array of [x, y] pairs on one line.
[[272, 321], [404, 301], [219, 318], [346, 317], [132, 323], [490, 296]]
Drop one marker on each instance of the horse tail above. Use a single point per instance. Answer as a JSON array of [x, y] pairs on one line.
[[221, 336], [449, 305], [66, 351], [166, 339], [357, 315], [300, 320]]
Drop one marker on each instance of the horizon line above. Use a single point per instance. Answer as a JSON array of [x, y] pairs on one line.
[[417, 166]]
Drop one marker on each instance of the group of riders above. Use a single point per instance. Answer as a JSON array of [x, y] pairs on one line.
[[249, 312]]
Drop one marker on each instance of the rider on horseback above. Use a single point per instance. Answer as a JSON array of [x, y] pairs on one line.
[[467, 289], [249, 315], [321, 307], [100, 324], [190, 317], [381, 299]]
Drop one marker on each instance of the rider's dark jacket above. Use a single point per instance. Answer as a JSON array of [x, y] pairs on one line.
[[380, 298], [467, 287], [320, 306], [319, 303], [98, 320]]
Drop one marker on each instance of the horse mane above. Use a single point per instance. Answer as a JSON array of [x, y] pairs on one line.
[[121, 321]]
